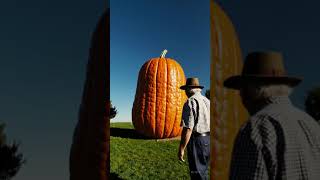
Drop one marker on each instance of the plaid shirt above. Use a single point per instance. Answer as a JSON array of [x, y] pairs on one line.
[[191, 111], [278, 142]]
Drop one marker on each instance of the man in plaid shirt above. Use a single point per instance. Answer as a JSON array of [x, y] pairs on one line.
[[278, 141], [195, 135]]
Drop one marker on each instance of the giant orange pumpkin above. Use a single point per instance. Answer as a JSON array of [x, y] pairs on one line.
[[227, 112], [157, 107], [89, 155]]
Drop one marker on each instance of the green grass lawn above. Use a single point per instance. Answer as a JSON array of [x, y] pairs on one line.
[[132, 157]]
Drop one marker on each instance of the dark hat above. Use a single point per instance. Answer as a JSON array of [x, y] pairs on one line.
[[262, 67], [191, 83]]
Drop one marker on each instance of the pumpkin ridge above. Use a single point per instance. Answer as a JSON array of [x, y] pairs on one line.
[[136, 101], [148, 105], [154, 120], [179, 112], [175, 112], [157, 107], [168, 124], [158, 99], [144, 98], [144, 110], [150, 89], [161, 122], [181, 95], [165, 100], [179, 78]]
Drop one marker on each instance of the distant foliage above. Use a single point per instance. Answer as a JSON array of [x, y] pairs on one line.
[[312, 103], [113, 111], [207, 94], [3, 137], [10, 159]]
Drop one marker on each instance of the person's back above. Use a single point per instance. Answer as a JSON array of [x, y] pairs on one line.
[[292, 138], [278, 141], [203, 124], [195, 134]]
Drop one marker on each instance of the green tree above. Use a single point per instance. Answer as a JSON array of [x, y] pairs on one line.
[[113, 111], [312, 103], [10, 159], [207, 93]]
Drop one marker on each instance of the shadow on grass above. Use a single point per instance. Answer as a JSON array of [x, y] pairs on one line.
[[115, 176], [126, 133]]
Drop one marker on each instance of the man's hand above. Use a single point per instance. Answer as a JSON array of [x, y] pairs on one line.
[[181, 154]]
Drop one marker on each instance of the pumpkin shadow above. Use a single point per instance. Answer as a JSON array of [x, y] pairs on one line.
[[115, 176], [126, 133]]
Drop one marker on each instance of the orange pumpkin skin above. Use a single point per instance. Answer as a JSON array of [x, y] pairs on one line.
[[227, 112], [89, 155], [158, 103]]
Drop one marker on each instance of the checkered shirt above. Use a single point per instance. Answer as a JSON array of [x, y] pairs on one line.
[[278, 142], [191, 111]]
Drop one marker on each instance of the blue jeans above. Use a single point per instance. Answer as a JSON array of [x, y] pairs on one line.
[[199, 157]]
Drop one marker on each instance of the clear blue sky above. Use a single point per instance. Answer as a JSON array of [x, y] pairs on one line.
[[141, 29]]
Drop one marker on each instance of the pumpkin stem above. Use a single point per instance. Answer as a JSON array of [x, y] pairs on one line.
[[163, 54]]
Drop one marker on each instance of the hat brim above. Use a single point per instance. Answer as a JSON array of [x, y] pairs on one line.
[[236, 82], [184, 87]]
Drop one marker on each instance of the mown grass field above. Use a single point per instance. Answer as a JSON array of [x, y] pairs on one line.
[[132, 157]]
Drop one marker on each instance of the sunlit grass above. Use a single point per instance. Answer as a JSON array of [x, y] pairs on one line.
[[134, 158]]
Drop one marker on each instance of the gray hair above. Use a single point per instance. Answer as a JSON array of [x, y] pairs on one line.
[[193, 90], [257, 91]]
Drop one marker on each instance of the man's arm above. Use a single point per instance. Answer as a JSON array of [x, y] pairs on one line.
[[187, 123], [185, 137]]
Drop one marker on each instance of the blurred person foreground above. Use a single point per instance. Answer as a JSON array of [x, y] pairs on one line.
[[279, 141]]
